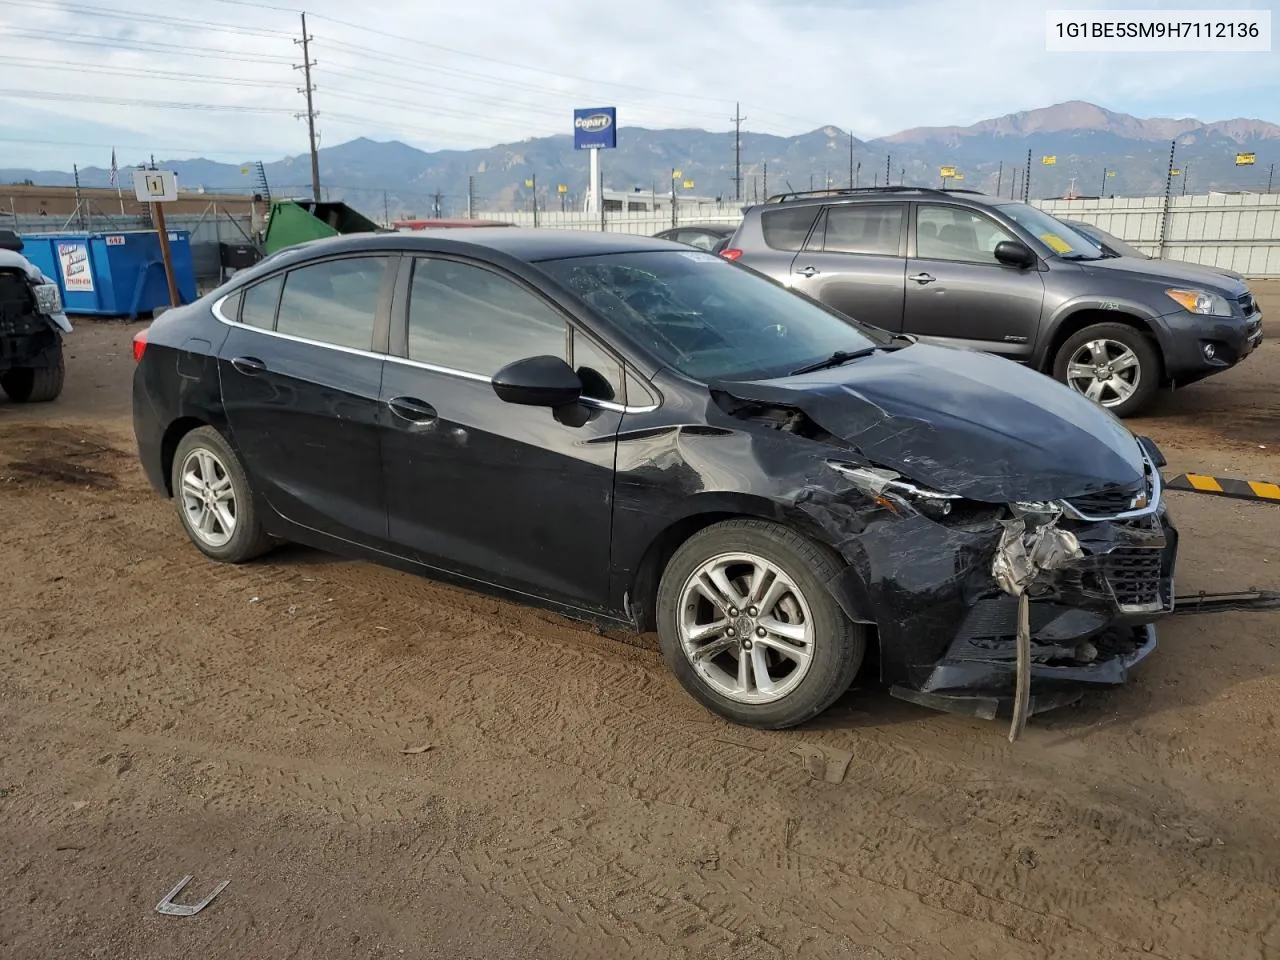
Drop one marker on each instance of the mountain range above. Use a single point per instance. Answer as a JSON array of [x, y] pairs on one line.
[[1093, 147]]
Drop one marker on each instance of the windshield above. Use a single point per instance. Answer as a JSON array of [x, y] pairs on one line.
[[1052, 232], [709, 319], [1114, 242]]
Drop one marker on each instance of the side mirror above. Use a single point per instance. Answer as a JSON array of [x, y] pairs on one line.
[[538, 382], [10, 241], [1015, 253]]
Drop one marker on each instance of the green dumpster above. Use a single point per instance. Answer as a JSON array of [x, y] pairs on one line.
[[297, 221]]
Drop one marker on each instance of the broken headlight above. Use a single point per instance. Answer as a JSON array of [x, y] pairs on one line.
[[891, 491], [48, 298]]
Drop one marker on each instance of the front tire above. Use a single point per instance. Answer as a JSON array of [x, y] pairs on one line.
[[1114, 365], [36, 384], [749, 628], [214, 500]]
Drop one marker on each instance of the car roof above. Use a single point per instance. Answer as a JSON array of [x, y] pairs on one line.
[[857, 194], [521, 243]]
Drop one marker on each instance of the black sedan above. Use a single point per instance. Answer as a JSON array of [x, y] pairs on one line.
[[634, 432], [711, 237]]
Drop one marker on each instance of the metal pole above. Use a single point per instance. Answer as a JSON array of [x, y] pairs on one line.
[[1026, 181], [851, 174], [1186, 175], [857, 172], [673, 198], [1270, 175], [1102, 192], [999, 177], [1168, 193], [737, 151], [311, 113], [888, 158], [765, 193]]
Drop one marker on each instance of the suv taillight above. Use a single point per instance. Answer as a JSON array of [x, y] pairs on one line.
[[139, 345], [731, 253]]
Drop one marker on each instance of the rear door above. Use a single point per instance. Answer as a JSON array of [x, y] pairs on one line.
[[958, 291], [854, 262], [300, 382], [514, 495]]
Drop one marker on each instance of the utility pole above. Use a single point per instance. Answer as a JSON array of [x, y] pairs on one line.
[[1026, 181], [305, 67], [1168, 192], [471, 198], [1186, 175], [386, 210], [887, 160], [857, 172], [436, 198], [764, 195], [737, 119], [75, 171], [1270, 176], [851, 175], [999, 177]]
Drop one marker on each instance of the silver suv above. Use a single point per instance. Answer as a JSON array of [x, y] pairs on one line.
[[960, 267]]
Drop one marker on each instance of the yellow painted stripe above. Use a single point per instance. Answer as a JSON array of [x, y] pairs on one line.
[[1268, 491], [1199, 481]]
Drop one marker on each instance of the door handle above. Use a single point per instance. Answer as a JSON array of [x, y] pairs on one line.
[[412, 409], [808, 271], [922, 278], [249, 366]]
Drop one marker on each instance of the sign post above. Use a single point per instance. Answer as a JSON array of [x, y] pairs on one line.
[[595, 129], [158, 187]]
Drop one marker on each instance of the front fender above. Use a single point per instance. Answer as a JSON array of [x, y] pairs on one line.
[[1120, 306], [59, 322]]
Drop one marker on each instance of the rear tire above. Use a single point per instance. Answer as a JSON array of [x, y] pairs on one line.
[[36, 384], [773, 608], [1129, 355], [214, 500]]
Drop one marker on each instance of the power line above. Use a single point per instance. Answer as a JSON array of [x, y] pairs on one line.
[[148, 46], [147, 18], [137, 102], [143, 72]]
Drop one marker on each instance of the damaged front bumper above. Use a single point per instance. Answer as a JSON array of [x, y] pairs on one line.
[[944, 597]]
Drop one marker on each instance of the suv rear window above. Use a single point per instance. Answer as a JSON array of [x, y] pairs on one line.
[[786, 229]]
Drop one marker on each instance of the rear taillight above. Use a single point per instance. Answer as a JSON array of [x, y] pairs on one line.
[[731, 253], [139, 345]]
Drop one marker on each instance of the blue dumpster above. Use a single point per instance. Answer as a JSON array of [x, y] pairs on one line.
[[113, 274]]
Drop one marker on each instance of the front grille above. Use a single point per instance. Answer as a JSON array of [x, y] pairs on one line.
[[1134, 576], [17, 305], [1106, 503]]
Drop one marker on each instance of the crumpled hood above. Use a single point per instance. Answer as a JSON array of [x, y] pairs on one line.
[[1172, 272], [963, 422]]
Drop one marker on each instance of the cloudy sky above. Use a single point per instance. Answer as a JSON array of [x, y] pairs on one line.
[[216, 78]]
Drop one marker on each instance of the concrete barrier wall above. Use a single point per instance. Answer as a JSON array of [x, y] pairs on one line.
[[1240, 232]]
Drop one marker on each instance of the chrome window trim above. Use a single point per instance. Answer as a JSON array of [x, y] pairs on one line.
[[1157, 491], [405, 361]]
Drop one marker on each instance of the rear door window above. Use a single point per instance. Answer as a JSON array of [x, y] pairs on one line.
[[260, 302], [786, 228], [333, 302], [870, 228]]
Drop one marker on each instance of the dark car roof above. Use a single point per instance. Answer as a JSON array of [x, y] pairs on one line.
[[522, 243], [723, 228]]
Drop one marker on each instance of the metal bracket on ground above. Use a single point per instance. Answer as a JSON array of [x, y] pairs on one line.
[[1262, 490], [167, 905], [1251, 599]]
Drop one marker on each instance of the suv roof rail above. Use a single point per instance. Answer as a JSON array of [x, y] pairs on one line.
[[855, 191]]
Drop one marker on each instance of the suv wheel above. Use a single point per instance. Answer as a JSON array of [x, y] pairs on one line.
[[214, 500], [1112, 364], [749, 628], [36, 384]]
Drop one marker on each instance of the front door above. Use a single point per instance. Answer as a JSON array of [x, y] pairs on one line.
[[512, 495], [958, 291], [854, 262], [300, 385]]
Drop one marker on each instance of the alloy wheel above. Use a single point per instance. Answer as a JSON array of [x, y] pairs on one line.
[[208, 497], [746, 628], [1106, 371]]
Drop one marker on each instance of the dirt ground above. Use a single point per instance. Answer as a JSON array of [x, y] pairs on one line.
[[161, 715]]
